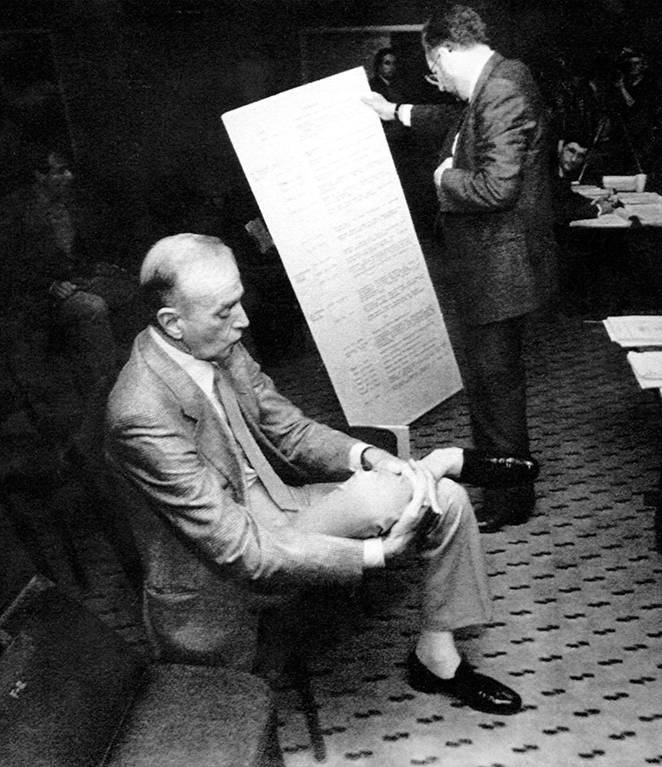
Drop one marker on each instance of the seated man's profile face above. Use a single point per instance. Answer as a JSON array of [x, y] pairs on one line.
[[571, 157], [211, 319]]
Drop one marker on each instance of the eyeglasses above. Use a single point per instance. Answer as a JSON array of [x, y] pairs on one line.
[[432, 77]]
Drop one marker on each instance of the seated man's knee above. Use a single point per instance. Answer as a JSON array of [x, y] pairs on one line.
[[454, 499], [382, 497]]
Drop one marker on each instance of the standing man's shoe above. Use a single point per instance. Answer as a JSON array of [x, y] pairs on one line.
[[478, 691], [506, 506], [480, 468]]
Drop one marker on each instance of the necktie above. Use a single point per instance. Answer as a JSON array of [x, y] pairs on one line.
[[273, 484]]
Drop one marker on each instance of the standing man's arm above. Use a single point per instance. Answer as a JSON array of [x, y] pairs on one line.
[[427, 121], [435, 122], [505, 125]]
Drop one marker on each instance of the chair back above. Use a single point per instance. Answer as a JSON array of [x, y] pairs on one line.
[[16, 567], [67, 681]]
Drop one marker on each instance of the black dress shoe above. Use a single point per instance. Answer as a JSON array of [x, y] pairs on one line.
[[478, 691], [485, 470], [508, 506]]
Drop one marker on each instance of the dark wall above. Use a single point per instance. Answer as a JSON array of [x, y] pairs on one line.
[[146, 82]]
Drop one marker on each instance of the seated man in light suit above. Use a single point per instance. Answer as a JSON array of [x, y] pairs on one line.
[[236, 497]]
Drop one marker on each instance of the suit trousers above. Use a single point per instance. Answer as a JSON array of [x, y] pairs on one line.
[[455, 589], [495, 379]]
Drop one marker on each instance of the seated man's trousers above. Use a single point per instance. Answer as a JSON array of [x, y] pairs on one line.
[[455, 589]]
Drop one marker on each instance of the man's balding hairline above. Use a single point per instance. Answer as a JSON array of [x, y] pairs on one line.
[[165, 261]]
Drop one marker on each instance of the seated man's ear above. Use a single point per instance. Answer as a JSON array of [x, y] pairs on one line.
[[168, 319]]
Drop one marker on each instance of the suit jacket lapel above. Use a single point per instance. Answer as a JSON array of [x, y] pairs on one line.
[[468, 113], [494, 60], [250, 409], [222, 453]]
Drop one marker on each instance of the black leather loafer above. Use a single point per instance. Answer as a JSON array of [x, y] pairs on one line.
[[478, 691], [506, 506], [485, 470]]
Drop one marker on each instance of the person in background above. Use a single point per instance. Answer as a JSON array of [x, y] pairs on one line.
[[57, 246], [571, 154], [385, 75], [582, 253], [639, 102]]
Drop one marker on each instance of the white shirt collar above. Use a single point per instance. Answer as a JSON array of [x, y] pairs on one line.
[[201, 371]]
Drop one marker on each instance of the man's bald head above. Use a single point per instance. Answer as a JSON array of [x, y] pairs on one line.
[[195, 291], [175, 261]]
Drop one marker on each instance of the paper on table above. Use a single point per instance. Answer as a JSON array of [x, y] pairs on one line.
[[639, 198], [636, 183], [647, 368], [321, 171], [589, 190], [649, 214], [635, 330], [607, 221]]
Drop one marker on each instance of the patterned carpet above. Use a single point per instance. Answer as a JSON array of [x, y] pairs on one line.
[[577, 590], [578, 605]]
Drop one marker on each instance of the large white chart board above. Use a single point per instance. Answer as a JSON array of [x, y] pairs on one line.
[[321, 171]]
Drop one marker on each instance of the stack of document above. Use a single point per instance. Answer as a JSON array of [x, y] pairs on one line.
[[589, 190], [606, 221], [640, 198], [638, 330], [647, 368], [642, 331], [648, 213]]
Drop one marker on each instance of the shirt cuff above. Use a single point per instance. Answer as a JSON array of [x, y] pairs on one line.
[[355, 455], [373, 553], [404, 114]]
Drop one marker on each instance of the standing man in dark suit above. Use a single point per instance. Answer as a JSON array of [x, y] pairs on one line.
[[497, 222], [235, 496]]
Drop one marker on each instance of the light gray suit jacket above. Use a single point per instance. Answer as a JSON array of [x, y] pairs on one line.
[[207, 560]]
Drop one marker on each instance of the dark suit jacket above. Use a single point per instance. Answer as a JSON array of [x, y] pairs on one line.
[[495, 202], [568, 205], [207, 559]]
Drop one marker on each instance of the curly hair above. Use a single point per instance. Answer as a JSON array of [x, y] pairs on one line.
[[454, 23]]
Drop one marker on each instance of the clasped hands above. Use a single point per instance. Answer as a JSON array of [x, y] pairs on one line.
[[607, 203], [423, 476]]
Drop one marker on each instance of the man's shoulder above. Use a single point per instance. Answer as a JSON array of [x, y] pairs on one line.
[[508, 65], [138, 383], [508, 79], [513, 70]]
